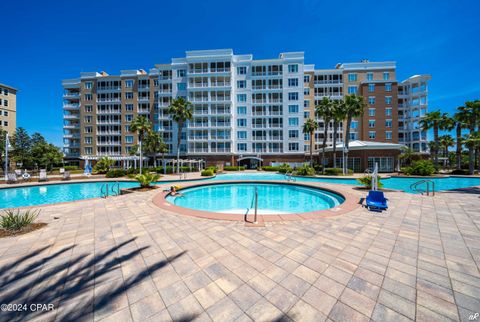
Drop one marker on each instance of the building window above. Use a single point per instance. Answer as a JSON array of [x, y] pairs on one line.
[[292, 109], [5, 92], [293, 82], [88, 140], [354, 125], [352, 77], [306, 114], [129, 95], [293, 121], [306, 103], [372, 135], [5, 123], [388, 112], [88, 97], [353, 136], [242, 135], [369, 76], [128, 107], [293, 96], [388, 135], [371, 123], [5, 113], [129, 139], [292, 146], [371, 112], [371, 88], [306, 91], [129, 83], [242, 146], [242, 122], [181, 73], [127, 128], [88, 108], [242, 70], [88, 150], [371, 100], [306, 78], [241, 97], [293, 68], [352, 89], [88, 129], [88, 85], [241, 84], [241, 110], [388, 100], [293, 134], [128, 117], [156, 82], [88, 119], [388, 87], [386, 75], [388, 123], [181, 86]]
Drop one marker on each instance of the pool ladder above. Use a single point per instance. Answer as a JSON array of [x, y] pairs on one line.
[[289, 177], [254, 202], [114, 189], [427, 182]]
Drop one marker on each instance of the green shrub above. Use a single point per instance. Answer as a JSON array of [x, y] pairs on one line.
[[318, 168], [115, 173], [305, 170], [271, 168], [367, 182], [207, 173], [284, 168], [420, 168], [147, 179], [14, 220], [233, 168], [459, 172], [103, 165], [70, 167], [333, 171], [214, 169]]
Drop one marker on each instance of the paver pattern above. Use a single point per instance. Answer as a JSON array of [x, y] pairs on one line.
[[124, 259]]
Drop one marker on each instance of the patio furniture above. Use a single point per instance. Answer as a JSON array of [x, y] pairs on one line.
[[12, 177], [43, 175], [26, 176], [18, 172], [376, 200], [66, 175]]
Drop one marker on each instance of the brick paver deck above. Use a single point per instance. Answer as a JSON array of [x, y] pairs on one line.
[[124, 259]]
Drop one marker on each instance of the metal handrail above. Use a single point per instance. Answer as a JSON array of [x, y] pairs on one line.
[[256, 206], [414, 185], [116, 192], [103, 192]]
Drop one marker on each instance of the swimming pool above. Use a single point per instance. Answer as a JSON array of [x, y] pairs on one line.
[[53, 193], [238, 198], [447, 183]]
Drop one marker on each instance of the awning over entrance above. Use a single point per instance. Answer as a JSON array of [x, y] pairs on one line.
[[252, 157]]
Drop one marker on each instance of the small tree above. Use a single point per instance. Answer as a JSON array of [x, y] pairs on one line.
[[146, 179], [180, 111], [103, 165], [309, 128], [142, 126]]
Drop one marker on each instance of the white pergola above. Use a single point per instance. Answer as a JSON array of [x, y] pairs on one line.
[[126, 160], [191, 163]]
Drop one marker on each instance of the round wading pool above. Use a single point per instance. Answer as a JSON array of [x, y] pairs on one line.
[[239, 198]]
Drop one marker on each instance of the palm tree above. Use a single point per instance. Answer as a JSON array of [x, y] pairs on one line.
[[338, 115], [406, 155], [461, 121], [354, 107], [472, 111], [181, 111], [433, 120], [309, 127], [446, 141], [472, 141], [154, 144], [142, 126], [324, 111]]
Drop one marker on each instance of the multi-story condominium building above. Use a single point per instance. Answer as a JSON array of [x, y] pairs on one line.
[[8, 108], [244, 110]]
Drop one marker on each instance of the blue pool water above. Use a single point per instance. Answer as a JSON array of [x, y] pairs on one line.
[[238, 198], [53, 193], [403, 184]]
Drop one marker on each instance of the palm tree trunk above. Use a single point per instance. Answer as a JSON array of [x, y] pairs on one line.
[[435, 148], [334, 144], [141, 154], [347, 141], [179, 140], [311, 148], [471, 156], [459, 147], [325, 132]]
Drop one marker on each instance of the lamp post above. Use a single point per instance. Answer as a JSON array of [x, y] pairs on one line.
[[7, 146], [345, 159]]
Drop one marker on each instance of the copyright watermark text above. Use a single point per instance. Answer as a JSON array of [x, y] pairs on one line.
[[26, 307]]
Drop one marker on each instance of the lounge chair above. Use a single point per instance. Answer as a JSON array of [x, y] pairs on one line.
[[376, 200], [18, 173], [43, 175], [26, 176], [66, 175], [12, 177]]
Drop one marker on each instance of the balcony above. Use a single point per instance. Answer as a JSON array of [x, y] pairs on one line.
[[109, 111], [71, 136], [259, 138], [71, 106], [198, 138], [220, 150], [220, 84], [71, 126], [109, 88], [71, 116], [220, 98], [324, 82], [102, 143], [221, 124], [107, 122], [144, 99], [71, 95], [109, 100], [198, 85], [143, 111], [221, 137], [143, 87], [198, 70], [109, 132]]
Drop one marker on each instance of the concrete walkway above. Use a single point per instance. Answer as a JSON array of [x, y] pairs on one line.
[[124, 259]]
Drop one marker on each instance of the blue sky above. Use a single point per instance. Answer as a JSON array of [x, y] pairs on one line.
[[47, 41]]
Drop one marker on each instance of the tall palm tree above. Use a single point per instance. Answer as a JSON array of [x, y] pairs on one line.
[[472, 110], [461, 121], [142, 126], [446, 141], [472, 141], [154, 144], [355, 105], [181, 111], [324, 111], [309, 127], [433, 120], [338, 115]]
